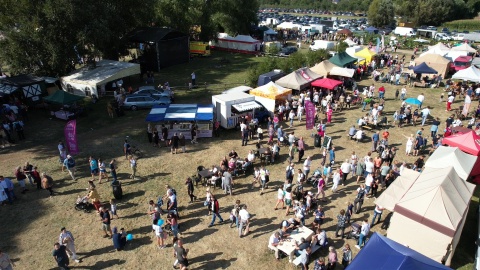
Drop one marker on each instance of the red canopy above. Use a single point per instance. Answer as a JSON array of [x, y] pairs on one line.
[[468, 142], [326, 83]]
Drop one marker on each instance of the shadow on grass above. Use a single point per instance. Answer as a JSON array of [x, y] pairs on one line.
[[190, 237]]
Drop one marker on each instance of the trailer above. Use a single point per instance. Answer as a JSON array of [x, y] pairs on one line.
[[230, 108]]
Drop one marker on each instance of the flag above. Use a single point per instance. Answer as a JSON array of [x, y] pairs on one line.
[[309, 114], [71, 137], [383, 42]]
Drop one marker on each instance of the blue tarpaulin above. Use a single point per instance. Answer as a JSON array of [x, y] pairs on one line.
[[383, 253], [423, 69], [371, 29], [180, 112]]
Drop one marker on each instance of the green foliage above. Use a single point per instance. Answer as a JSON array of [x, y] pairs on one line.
[[341, 47], [381, 13], [272, 49], [435, 12], [314, 57], [463, 25]]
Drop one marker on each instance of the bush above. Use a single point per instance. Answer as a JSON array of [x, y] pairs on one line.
[[463, 25]]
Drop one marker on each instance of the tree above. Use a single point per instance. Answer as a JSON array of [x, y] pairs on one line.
[[341, 47], [381, 13]]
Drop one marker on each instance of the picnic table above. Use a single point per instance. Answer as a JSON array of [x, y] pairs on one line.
[[288, 245], [206, 174]]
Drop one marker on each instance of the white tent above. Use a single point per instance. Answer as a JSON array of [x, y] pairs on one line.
[[435, 50], [350, 42], [471, 73], [85, 81], [431, 215], [344, 72], [240, 43], [440, 46], [299, 79], [464, 48], [289, 25], [452, 55], [395, 192], [445, 156], [354, 49]]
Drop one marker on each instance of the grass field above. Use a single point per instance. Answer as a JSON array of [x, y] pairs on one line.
[[31, 225]]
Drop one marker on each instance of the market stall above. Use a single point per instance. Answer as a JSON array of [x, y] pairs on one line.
[[178, 118], [65, 107], [326, 83], [323, 68], [271, 95]]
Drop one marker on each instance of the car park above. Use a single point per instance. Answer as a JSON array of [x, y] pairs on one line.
[[135, 102]]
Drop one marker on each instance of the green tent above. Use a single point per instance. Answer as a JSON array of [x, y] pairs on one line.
[[63, 98], [342, 59]]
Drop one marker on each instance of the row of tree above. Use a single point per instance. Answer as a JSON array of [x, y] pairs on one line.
[[344, 5], [48, 37]]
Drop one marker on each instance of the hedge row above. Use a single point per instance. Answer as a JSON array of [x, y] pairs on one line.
[[463, 25]]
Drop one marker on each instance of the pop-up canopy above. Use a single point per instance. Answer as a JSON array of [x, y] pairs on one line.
[[395, 192], [342, 59], [467, 142], [323, 68], [271, 90], [383, 253], [464, 47], [180, 112], [326, 83], [452, 156], [366, 53], [471, 74], [423, 68]]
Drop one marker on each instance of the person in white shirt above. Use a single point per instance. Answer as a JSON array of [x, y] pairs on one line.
[[450, 100], [300, 112], [243, 126], [420, 98], [425, 113], [359, 135], [306, 166], [457, 123], [466, 105], [273, 243], [336, 180], [251, 156], [291, 116], [368, 183], [403, 93], [244, 221], [364, 231], [369, 166], [377, 212], [345, 168], [66, 238], [291, 138]]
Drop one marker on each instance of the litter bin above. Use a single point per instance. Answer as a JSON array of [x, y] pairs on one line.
[[117, 190], [318, 141]]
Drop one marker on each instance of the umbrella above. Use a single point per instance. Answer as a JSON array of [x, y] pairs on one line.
[[412, 101]]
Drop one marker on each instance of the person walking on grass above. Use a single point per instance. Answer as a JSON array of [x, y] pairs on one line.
[[244, 222], [181, 255], [37, 178], [69, 164], [66, 238], [21, 179], [127, 149], [113, 170], [60, 256], [280, 198], [133, 166], [190, 189], [174, 141], [47, 183], [102, 171], [159, 233], [342, 219], [93, 166], [5, 262], [105, 219], [113, 208], [181, 142], [215, 206]]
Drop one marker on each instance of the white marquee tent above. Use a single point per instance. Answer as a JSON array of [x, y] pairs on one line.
[[343, 72], [85, 81], [395, 192], [464, 47]]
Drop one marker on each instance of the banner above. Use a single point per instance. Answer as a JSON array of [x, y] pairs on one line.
[[378, 45], [71, 137], [309, 114]]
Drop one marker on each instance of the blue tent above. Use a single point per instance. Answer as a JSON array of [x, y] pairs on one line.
[[180, 112], [371, 29], [383, 253], [423, 69]]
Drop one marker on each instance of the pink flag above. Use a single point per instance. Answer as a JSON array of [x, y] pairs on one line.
[[309, 114], [71, 137]]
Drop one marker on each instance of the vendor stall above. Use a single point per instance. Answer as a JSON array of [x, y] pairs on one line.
[[231, 108], [271, 95], [178, 118]]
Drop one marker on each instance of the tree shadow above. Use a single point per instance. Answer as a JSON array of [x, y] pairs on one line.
[[101, 264], [267, 227], [196, 236]]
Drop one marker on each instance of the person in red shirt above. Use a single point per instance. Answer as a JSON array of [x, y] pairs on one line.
[[385, 134], [381, 92]]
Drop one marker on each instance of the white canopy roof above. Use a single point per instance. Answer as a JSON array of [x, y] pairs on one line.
[[436, 50], [464, 48], [440, 46], [246, 38], [471, 73], [288, 25], [350, 42], [439, 198], [395, 192], [105, 71], [344, 72], [452, 55], [445, 156]]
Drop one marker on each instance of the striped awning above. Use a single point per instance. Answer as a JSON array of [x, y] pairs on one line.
[[246, 106]]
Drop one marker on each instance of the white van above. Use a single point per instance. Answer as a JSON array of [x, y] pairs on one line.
[[322, 44], [404, 31]]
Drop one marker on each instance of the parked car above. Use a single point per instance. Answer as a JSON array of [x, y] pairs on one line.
[[287, 51], [459, 37], [152, 90], [135, 102], [443, 36]]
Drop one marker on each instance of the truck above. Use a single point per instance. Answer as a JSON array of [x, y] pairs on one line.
[[404, 31], [199, 48], [428, 33], [230, 108], [472, 37], [270, 77]]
